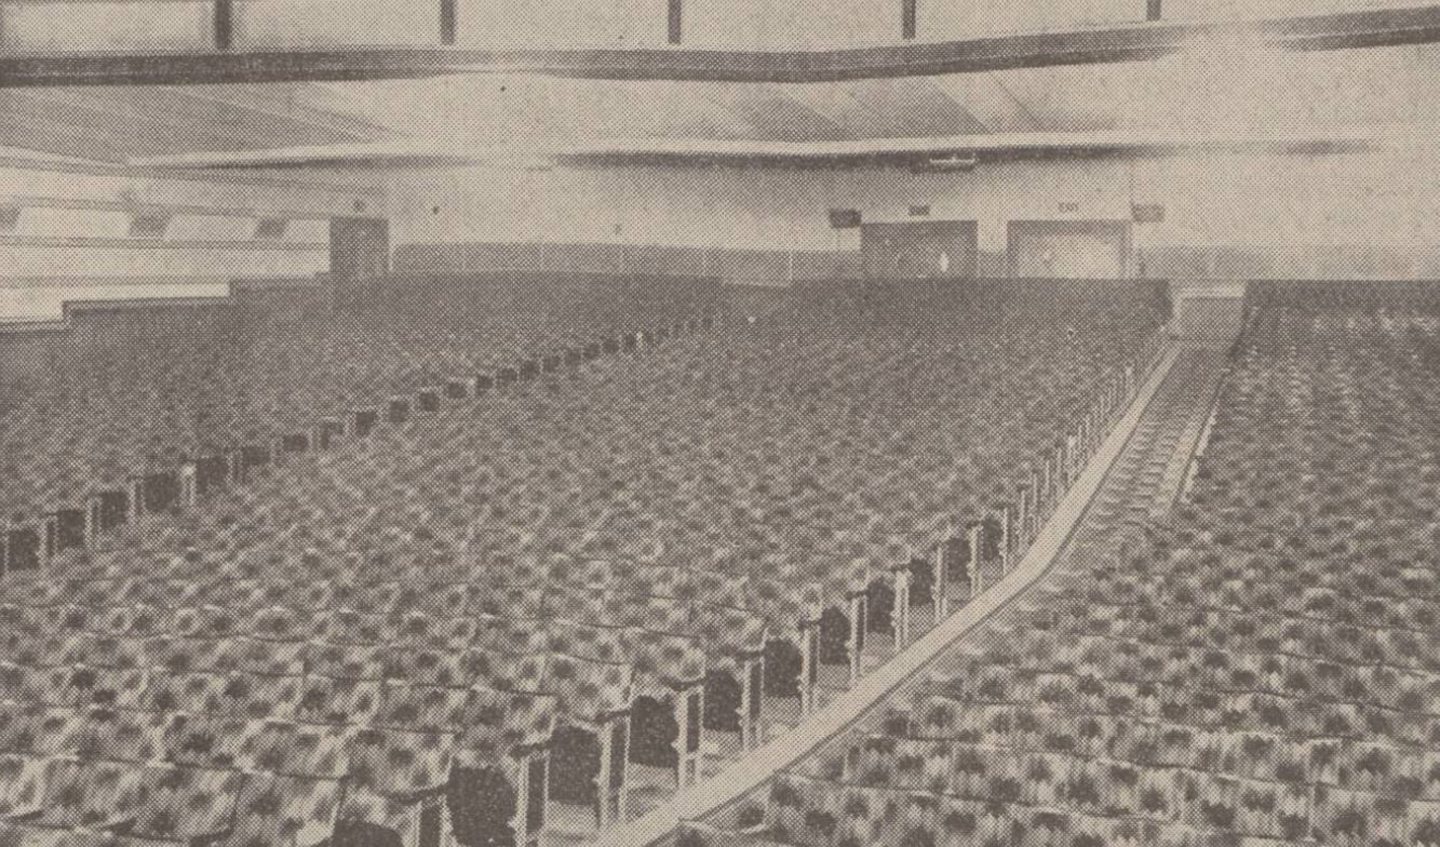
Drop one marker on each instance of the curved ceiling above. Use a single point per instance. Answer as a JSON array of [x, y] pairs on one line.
[[1233, 84], [1220, 84], [119, 123]]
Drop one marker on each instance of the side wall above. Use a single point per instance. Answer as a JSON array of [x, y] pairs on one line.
[[740, 224], [1333, 215]]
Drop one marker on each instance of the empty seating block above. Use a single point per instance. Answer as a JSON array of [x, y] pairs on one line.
[[576, 592], [1246, 670]]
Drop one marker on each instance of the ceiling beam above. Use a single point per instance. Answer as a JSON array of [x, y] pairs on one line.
[[1137, 42]]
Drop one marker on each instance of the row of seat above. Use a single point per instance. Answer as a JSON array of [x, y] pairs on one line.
[[1260, 662], [141, 392], [674, 546]]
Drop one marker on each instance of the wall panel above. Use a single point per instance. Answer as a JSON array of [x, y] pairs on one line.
[[561, 23], [210, 228], [1351, 215], [271, 24], [61, 223], [92, 26], [1186, 10]]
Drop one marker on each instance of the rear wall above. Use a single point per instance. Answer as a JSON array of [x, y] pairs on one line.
[[1347, 215]]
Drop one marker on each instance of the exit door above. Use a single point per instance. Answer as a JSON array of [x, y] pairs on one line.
[[359, 247], [919, 249]]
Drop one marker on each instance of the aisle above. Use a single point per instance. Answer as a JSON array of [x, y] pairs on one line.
[[754, 770], [1146, 480]]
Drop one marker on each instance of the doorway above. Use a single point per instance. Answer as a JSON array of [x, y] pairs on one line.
[[359, 247], [919, 250]]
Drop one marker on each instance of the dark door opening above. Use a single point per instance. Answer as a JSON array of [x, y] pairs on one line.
[[359, 248], [919, 250]]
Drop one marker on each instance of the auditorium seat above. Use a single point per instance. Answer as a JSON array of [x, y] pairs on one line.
[[1256, 667], [633, 532]]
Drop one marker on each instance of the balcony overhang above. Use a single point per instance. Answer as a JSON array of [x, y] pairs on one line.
[[986, 148], [1127, 43]]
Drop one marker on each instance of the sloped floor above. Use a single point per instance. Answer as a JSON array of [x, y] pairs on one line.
[[1138, 471]]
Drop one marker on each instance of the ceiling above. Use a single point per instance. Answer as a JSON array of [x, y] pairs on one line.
[[1226, 87], [118, 123], [1215, 92], [1219, 83], [153, 123]]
